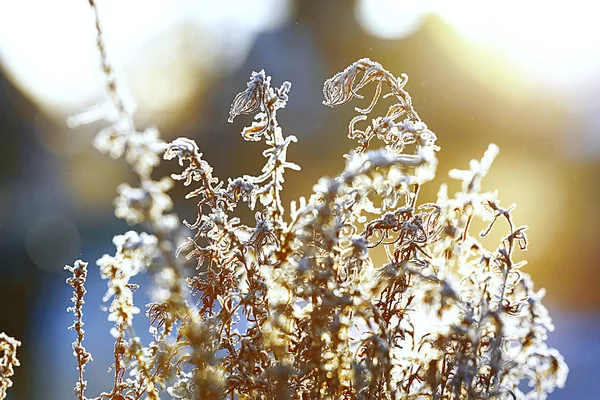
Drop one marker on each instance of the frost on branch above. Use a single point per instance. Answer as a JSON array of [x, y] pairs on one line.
[[262, 98], [395, 133]]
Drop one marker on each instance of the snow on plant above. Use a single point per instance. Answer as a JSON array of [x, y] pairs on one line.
[[294, 306]]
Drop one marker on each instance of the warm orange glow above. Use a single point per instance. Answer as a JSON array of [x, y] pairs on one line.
[[548, 40]]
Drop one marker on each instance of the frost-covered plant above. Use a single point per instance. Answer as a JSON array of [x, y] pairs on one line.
[[8, 361], [295, 306]]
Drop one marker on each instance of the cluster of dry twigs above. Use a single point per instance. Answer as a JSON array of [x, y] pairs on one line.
[[295, 306]]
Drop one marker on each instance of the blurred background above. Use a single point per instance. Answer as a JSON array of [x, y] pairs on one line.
[[522, 74]]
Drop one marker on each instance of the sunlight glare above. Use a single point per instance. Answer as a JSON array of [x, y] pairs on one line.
[[48, 47], [548, 40], [407, 17]]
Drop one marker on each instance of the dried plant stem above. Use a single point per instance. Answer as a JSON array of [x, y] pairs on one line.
[[77, 281], [111, 84]]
